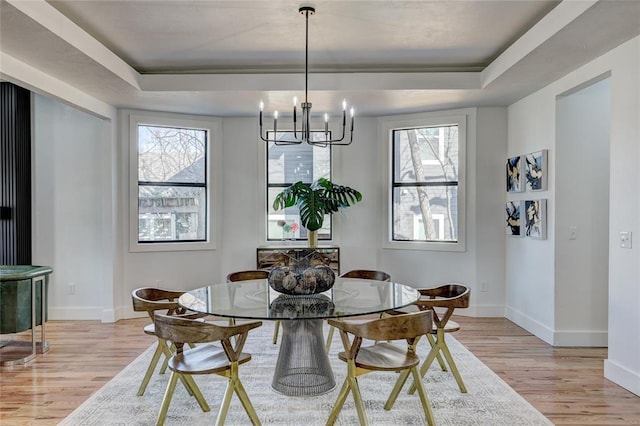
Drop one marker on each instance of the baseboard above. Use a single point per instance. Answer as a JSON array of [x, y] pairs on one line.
[[75, 314], [558, 338], [531, 325], [630, 380], [482, 311], [598, 339]]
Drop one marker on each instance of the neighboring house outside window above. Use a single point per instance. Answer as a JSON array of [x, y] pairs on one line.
[[172, 196], [288, 164], [426, 204]]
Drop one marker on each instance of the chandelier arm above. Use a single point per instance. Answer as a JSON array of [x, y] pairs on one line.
[[305, 127]]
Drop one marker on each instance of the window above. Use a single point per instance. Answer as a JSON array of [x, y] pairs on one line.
[[171, 195], [288, 164], [426, 202]]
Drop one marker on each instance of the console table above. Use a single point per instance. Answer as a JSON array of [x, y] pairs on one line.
[[270, 256], [23, 306]]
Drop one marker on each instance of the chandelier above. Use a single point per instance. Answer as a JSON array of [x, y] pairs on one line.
[[304, 134]]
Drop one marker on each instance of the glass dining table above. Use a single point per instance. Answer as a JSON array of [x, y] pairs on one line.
[[302, 367]]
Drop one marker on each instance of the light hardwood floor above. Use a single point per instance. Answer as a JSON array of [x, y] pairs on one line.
[[566, 384]]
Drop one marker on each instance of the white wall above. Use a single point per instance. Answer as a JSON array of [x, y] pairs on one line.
[[583, 130], [530, 269], [483, 259], [68, 207]]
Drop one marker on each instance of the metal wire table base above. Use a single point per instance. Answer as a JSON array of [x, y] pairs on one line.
[[303, 367]]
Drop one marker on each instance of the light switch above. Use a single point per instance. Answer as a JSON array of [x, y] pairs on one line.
[[625, 239], [573, 233]]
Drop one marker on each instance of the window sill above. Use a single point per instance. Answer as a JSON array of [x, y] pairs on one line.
[[135, 247], [425, 246]]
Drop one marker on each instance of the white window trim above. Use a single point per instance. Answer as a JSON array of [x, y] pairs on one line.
[[131, 120], [385, 127]]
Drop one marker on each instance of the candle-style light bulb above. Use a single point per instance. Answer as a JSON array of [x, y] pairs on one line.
[[344, 104], [352, 114], [275, 115], [326, 123], [295, 115], [261, 105]]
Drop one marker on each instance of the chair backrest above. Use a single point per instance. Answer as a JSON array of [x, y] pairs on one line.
[[147, 299], [180, 330], [367, 274], [396, 327], [449, 296], [452, 295], [257, 274]]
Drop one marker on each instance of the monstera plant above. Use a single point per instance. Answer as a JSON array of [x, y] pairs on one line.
[[315, 200]]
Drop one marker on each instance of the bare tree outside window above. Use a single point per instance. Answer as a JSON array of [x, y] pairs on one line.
[[172, 184], [425, 182]]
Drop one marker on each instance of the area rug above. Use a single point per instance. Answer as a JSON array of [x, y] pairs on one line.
[[489, 401]]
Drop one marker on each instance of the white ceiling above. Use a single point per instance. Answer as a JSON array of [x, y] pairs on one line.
[[223, 57]]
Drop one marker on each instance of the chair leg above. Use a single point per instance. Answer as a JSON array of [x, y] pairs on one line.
[[452, 366], [152, 366], [168, 352], [224, 405], [432, 342], [246, 402], [396, 389], [440, 345], [327, 344], [355, 390], [194, 391], [426, 405], [166, 399], [337, 407], [275, 331]]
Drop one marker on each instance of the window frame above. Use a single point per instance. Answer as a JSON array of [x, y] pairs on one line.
[[263, 190], [386, 126], [213, 127]]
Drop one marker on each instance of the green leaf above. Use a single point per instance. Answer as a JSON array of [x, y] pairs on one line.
[[316, 200]]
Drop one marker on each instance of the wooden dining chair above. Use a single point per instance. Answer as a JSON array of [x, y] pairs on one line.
[[206, 359], [257, 274], [153, 300], [384, 356], [365, 274], [446, 298]]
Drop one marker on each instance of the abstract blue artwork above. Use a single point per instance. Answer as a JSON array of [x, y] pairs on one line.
[[512, 210], [536, 170], [515, 176], [536, 219]]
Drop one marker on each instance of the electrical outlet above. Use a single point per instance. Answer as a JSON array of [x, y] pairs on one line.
[[625, 239], [71, 288]]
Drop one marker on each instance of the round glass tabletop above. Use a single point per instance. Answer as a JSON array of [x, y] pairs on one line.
[[254, 299]]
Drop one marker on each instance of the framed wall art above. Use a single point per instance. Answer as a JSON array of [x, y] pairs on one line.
[[535, 219], [535, 170], [513, 211], [515, 175]]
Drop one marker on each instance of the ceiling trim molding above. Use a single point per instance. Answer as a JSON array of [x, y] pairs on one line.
[[318, 81], [61, 26], [557, 19], [31, 78]]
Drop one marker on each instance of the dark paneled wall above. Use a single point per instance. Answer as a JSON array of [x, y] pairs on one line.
[[15, 175]]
